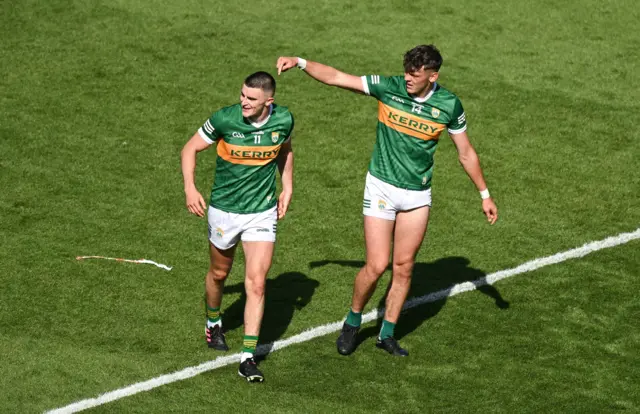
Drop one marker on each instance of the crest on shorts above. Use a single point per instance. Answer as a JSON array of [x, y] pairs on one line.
[[382, 204], [435, 112], [275, 136], [219, 232]]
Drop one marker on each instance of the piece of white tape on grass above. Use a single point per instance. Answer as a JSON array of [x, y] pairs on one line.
[[117, 259]]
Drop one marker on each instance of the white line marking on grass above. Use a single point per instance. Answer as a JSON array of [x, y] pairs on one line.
[[310, 334]]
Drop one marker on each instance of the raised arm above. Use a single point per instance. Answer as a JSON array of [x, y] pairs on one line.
[[322, 73]]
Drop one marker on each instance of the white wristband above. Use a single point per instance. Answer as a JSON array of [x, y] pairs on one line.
[[302, 63], [485, 194]]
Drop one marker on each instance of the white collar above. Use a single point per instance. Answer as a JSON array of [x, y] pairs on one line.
[[264, 121], [421, 100]]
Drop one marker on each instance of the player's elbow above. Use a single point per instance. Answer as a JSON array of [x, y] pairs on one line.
[[188, 151], [467, 155], [338, 79], [333, 81]]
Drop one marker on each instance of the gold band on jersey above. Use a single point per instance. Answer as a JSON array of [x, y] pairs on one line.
[[409, 124], [247, 155]]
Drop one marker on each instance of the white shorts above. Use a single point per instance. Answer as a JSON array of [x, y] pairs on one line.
[[384, 200], [226, 229]]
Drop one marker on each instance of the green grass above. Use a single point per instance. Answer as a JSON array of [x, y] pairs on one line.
[[97, 99]]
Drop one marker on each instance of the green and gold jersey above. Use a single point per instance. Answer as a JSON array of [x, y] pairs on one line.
[[409, 129], [245, 177]]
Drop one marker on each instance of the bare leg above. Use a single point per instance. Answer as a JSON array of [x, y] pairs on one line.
[[377, 234], [258, 255], [411, 227], [219, 268]]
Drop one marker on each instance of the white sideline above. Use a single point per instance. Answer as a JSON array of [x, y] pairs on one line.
[[322, 330]]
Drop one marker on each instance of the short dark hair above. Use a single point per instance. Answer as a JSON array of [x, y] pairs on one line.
[[261, 80], [427, 56]]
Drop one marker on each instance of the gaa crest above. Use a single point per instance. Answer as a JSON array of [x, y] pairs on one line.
[[274, 137], [435, 112]]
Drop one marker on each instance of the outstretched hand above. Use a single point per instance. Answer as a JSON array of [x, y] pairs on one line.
[[285, 63], [490, 210]]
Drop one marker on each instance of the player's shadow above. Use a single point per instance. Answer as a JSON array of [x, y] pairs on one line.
[[431, 285], [284, 294]]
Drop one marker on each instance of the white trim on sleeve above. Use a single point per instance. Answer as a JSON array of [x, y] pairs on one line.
[[204, 136], [208, 127], [457, 131], [365, 85]]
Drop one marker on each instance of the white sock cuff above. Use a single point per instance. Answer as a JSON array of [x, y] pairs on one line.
[[216, 323]]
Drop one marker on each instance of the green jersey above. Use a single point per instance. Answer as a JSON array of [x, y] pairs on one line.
[[409, 129], [245, 177]]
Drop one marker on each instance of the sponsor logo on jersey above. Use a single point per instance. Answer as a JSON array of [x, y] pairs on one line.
[[382, 204], [409, 124], [254, 153], [435, 112], [275, 136], [246, 154]]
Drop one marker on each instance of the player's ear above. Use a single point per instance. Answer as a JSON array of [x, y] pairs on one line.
[[434, 77], [269, 101]]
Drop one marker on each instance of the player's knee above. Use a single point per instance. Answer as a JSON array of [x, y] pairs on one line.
[[376, 268], [217, 274], [255, 286], [402, 270]]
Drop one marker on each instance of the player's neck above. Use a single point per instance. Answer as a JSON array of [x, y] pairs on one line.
[[424, 92], [257, 119]]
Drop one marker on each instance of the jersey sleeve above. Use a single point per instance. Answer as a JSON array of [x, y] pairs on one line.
[[458, 123], [290, 133], [210, 130], [375, 85]]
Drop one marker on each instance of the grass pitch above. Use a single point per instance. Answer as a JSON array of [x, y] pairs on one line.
[[97, 99]]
